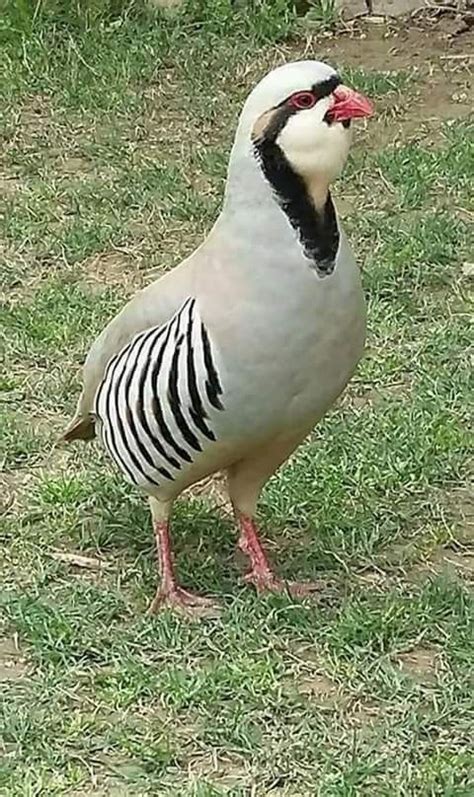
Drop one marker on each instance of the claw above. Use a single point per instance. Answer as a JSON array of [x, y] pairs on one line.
[[184, 602], [268, 582]]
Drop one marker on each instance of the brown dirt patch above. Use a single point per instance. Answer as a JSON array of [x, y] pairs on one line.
[[13, 665], [75, 165], [397, 391], [462, 563], [227, 771], [420, 663], [460, 503], [374, 578], [14, 487], [318, 687], [391, 47], [309, 679], [9, 186], [36, 109], [110, 789], [361, 714], [459, 563], [114, 268]]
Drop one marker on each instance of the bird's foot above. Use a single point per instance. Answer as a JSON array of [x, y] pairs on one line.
[[184, 602], [266, 581], [261, 574]]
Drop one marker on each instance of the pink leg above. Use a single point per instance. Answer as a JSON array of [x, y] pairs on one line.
[[261, 573], [169, 594]]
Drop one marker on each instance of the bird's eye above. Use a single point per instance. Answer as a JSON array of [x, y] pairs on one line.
[[303, 100]]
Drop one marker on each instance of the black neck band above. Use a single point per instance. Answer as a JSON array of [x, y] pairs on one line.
[[317, 229]]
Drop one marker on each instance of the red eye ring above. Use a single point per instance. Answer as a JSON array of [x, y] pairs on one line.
[[302, 100]]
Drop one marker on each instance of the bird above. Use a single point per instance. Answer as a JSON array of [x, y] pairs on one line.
[[227, 362]]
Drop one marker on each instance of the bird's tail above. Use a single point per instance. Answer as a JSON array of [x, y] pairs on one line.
[[81, 428]]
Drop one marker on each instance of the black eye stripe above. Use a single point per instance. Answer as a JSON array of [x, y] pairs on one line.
[[320, 90], [284, 109], [326, 87]]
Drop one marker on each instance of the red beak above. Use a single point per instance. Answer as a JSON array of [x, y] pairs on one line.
[[349, 104]]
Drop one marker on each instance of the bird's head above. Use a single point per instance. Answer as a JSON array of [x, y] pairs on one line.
[[303, 111]]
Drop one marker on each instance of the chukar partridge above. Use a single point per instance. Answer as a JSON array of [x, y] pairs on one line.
[[227, 362]]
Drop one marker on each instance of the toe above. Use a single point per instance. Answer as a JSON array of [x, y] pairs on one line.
[[303, 589], [270, 583], [184, 603]]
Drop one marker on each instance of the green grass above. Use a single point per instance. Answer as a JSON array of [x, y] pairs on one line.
[[322, 15], [115, 144]]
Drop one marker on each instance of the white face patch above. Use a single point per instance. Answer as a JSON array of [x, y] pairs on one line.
[[316, 150]]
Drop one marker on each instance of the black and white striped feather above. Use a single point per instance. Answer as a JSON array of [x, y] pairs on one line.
[[158, 398]]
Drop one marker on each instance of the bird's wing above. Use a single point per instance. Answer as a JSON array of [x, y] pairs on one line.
[[159, 399], [153, 306]]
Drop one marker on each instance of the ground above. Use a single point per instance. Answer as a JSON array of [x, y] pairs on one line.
[[112, 168]]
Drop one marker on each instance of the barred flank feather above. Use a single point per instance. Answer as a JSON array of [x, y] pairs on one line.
[[157, 398]]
